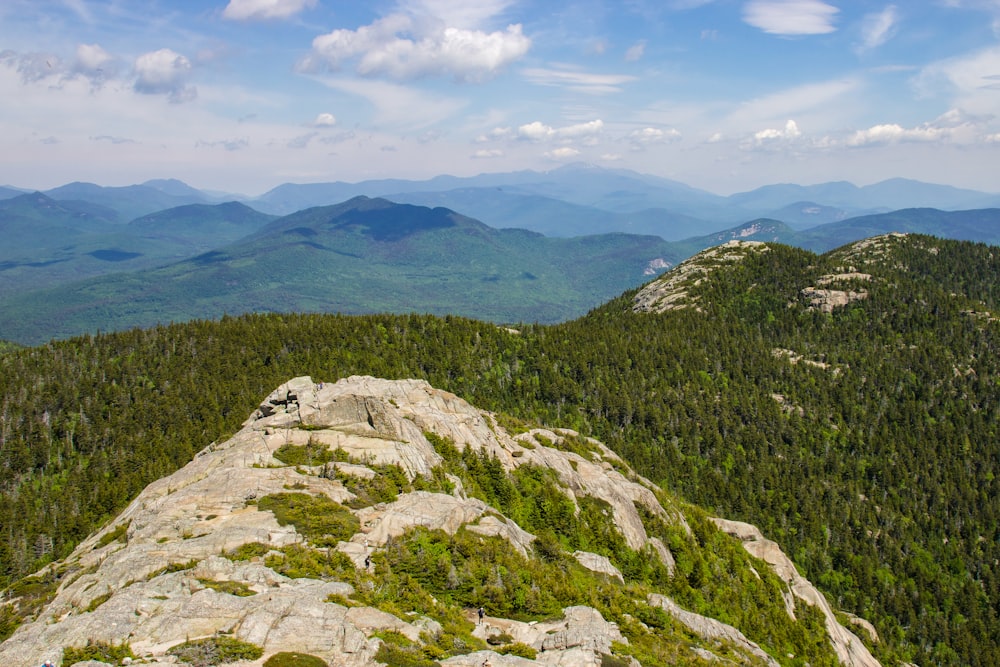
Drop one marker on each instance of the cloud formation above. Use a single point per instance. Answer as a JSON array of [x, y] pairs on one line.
[[953, 125], [791, 17], [636, 51], [324, 120], [878, 28], [164, 72], [401, 47], [92, 59], [562, 153], [773, 137], [573, 79], [537, 131], [652, 135], [263, 10]]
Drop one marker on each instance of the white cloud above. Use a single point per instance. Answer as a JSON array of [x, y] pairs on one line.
[[562, 153], [484, 154], [402, 47], [773, 137], [654, 135], [496, 134], [399, 107], [954, 125], [891, 133], [92, 58], [457, 13], [877, 29], [324, 120], [32, 67], [791, 17], [972, 81], [164, 72], [824, 99], [636, 51], [259, 10], [584, 82], [538, 131], [535, 131]]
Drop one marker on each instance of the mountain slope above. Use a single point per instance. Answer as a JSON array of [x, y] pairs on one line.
[[365, 255], [52, 242], [345, 517], [130, 201], [843, 402], [201, 227]]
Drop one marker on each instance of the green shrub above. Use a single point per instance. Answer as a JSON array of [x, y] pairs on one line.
[[237, 588], [310, 454], [120, 533], [215, 651], [98, 601], [247, 551], [499, 639], [292, 659], [321, 520], [389, 481], [399, 656], [608, 660], [296, 562], [100, 651], [518, 649]]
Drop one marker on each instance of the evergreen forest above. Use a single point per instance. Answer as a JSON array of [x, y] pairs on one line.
[[863, 440]]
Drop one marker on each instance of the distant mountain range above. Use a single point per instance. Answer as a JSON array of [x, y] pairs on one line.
[[573, 200], [522, 246]]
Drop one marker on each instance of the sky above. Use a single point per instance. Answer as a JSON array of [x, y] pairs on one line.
[[724, 95]]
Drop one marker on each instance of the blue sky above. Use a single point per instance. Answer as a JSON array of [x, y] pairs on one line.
[[725, 95]]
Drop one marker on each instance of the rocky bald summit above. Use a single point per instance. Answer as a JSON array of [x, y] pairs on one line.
[[365, 521]]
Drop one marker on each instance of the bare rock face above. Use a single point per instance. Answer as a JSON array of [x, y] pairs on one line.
[[711, 628], [149, 578], [849, 648], [671, 290]]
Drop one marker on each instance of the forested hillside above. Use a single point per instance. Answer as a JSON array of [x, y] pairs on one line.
[[863, 440]]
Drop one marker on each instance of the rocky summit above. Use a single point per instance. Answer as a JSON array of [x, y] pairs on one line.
[[282, 541]]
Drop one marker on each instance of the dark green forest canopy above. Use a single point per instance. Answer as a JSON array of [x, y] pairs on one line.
[[872, 461]]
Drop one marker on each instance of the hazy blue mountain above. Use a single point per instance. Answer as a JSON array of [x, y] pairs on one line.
[[981, 225], [198, 228], [887, 195], [131, 201], [174, 188], [504, 208], [582, 198], [579, 184], [50, 242], [7, 192], [361, 256], [806, 214]]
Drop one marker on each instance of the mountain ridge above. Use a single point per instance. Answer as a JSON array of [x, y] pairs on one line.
[[166, 572]]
